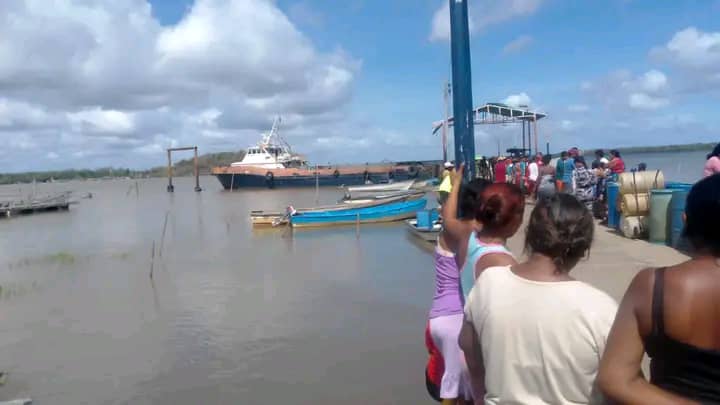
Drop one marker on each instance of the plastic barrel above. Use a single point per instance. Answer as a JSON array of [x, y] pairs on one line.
[[640, 182], [635, 204], [677, 224], [678, 186], [613, 191], [658, 223]]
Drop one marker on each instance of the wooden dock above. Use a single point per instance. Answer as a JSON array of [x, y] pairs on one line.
[[30, 205]]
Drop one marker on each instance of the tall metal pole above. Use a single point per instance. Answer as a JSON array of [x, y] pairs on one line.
[[462, 87], [536, 133]]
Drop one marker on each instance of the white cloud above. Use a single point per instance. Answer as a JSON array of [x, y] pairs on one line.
[[567, 125], [103, 121], [696, 57], [642, 101], [52, 155], [692, 48], [517, 100], [578, 108], [622, 89], [481, 15], [86, 79], [518, 44], [653, 81]]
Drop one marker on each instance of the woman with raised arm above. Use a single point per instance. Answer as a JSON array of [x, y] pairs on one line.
[[451, 384], [532, 333], [673, 315]]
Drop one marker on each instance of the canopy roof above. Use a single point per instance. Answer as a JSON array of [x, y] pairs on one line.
[[497, 113]]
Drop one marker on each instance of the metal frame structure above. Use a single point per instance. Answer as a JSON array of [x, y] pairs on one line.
[[170, 187], [497, 113]]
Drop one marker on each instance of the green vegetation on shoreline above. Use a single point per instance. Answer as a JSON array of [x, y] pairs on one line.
[[690, 147], [207, 161], [183, 167]]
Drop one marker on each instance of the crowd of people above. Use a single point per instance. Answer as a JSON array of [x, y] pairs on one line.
[[502, 330], [540, 177]]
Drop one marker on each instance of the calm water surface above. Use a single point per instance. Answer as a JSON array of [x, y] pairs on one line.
[[234, 316]]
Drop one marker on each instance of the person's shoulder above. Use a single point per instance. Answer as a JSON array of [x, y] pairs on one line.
[[596, 299], [493, 273]]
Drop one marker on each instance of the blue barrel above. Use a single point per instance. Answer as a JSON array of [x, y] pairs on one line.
[[613, 193], [659, 215], [678, 186], [677, 208]]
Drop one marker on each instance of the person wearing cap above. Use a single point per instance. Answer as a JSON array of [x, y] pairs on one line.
[[446, 184], [447, 169]]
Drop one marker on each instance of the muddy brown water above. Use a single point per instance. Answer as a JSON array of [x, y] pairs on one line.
[[233, 316]]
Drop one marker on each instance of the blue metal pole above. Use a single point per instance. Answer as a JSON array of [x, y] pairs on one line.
[[462, 87]]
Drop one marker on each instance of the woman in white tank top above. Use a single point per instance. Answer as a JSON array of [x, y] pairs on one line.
[[537, 333]]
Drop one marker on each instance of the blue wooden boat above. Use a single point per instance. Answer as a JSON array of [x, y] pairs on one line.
[[395, 211]]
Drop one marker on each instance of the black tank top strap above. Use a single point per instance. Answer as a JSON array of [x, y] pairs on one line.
[[658, 312]]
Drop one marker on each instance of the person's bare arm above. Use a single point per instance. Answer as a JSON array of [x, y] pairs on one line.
[[470, 345], [620, 377], [452, 225]]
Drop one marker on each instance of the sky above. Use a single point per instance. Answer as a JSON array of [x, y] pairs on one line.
[[95, 83]]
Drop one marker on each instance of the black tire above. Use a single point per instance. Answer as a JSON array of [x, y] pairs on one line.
[[270, 179], [336, 173], [413, 172], [391, 175]]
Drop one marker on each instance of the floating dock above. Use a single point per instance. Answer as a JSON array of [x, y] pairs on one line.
[[18, 206]]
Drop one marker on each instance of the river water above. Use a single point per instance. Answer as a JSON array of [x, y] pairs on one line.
[[233, 315]]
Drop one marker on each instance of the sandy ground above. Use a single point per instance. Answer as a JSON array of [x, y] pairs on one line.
[[614, 260]]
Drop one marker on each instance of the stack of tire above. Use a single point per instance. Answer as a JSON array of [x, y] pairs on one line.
[[634, 200]]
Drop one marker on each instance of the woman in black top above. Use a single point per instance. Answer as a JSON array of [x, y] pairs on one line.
[[672, 314]]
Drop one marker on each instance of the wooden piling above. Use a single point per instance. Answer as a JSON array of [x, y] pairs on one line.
[[357, 226], [152, 260]]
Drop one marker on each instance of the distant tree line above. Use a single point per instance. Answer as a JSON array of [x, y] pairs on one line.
[[183, 167], [690, 147]]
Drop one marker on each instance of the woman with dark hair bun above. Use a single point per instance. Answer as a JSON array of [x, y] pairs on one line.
[[536, 332], [712, 164], [672, 315], [499, 212]]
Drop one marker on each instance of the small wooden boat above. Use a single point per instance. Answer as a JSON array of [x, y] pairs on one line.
[[382, 187], [275, 218], [381, 196], [426, 234], [386, 212]]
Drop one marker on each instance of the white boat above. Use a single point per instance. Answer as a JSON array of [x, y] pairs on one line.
[[272, 152], [426, 234], [382, 187]]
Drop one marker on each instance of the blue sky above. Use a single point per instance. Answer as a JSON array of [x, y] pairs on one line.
[[357, 80]]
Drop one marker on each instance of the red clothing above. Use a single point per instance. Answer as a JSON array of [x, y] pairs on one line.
[[435, 366], [500, 171], [617, 165]]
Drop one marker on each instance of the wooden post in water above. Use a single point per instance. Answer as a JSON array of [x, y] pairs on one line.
[[357, 226], [317, 185], [170, 187], [197, 173]]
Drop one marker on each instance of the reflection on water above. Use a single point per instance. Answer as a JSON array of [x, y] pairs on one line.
[[234, 315]]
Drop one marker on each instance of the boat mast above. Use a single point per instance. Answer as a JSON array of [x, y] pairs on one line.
[[462, 87], [446, 95]]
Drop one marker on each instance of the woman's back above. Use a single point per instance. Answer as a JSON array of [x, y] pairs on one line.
[[541, 343], [680, 325]]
